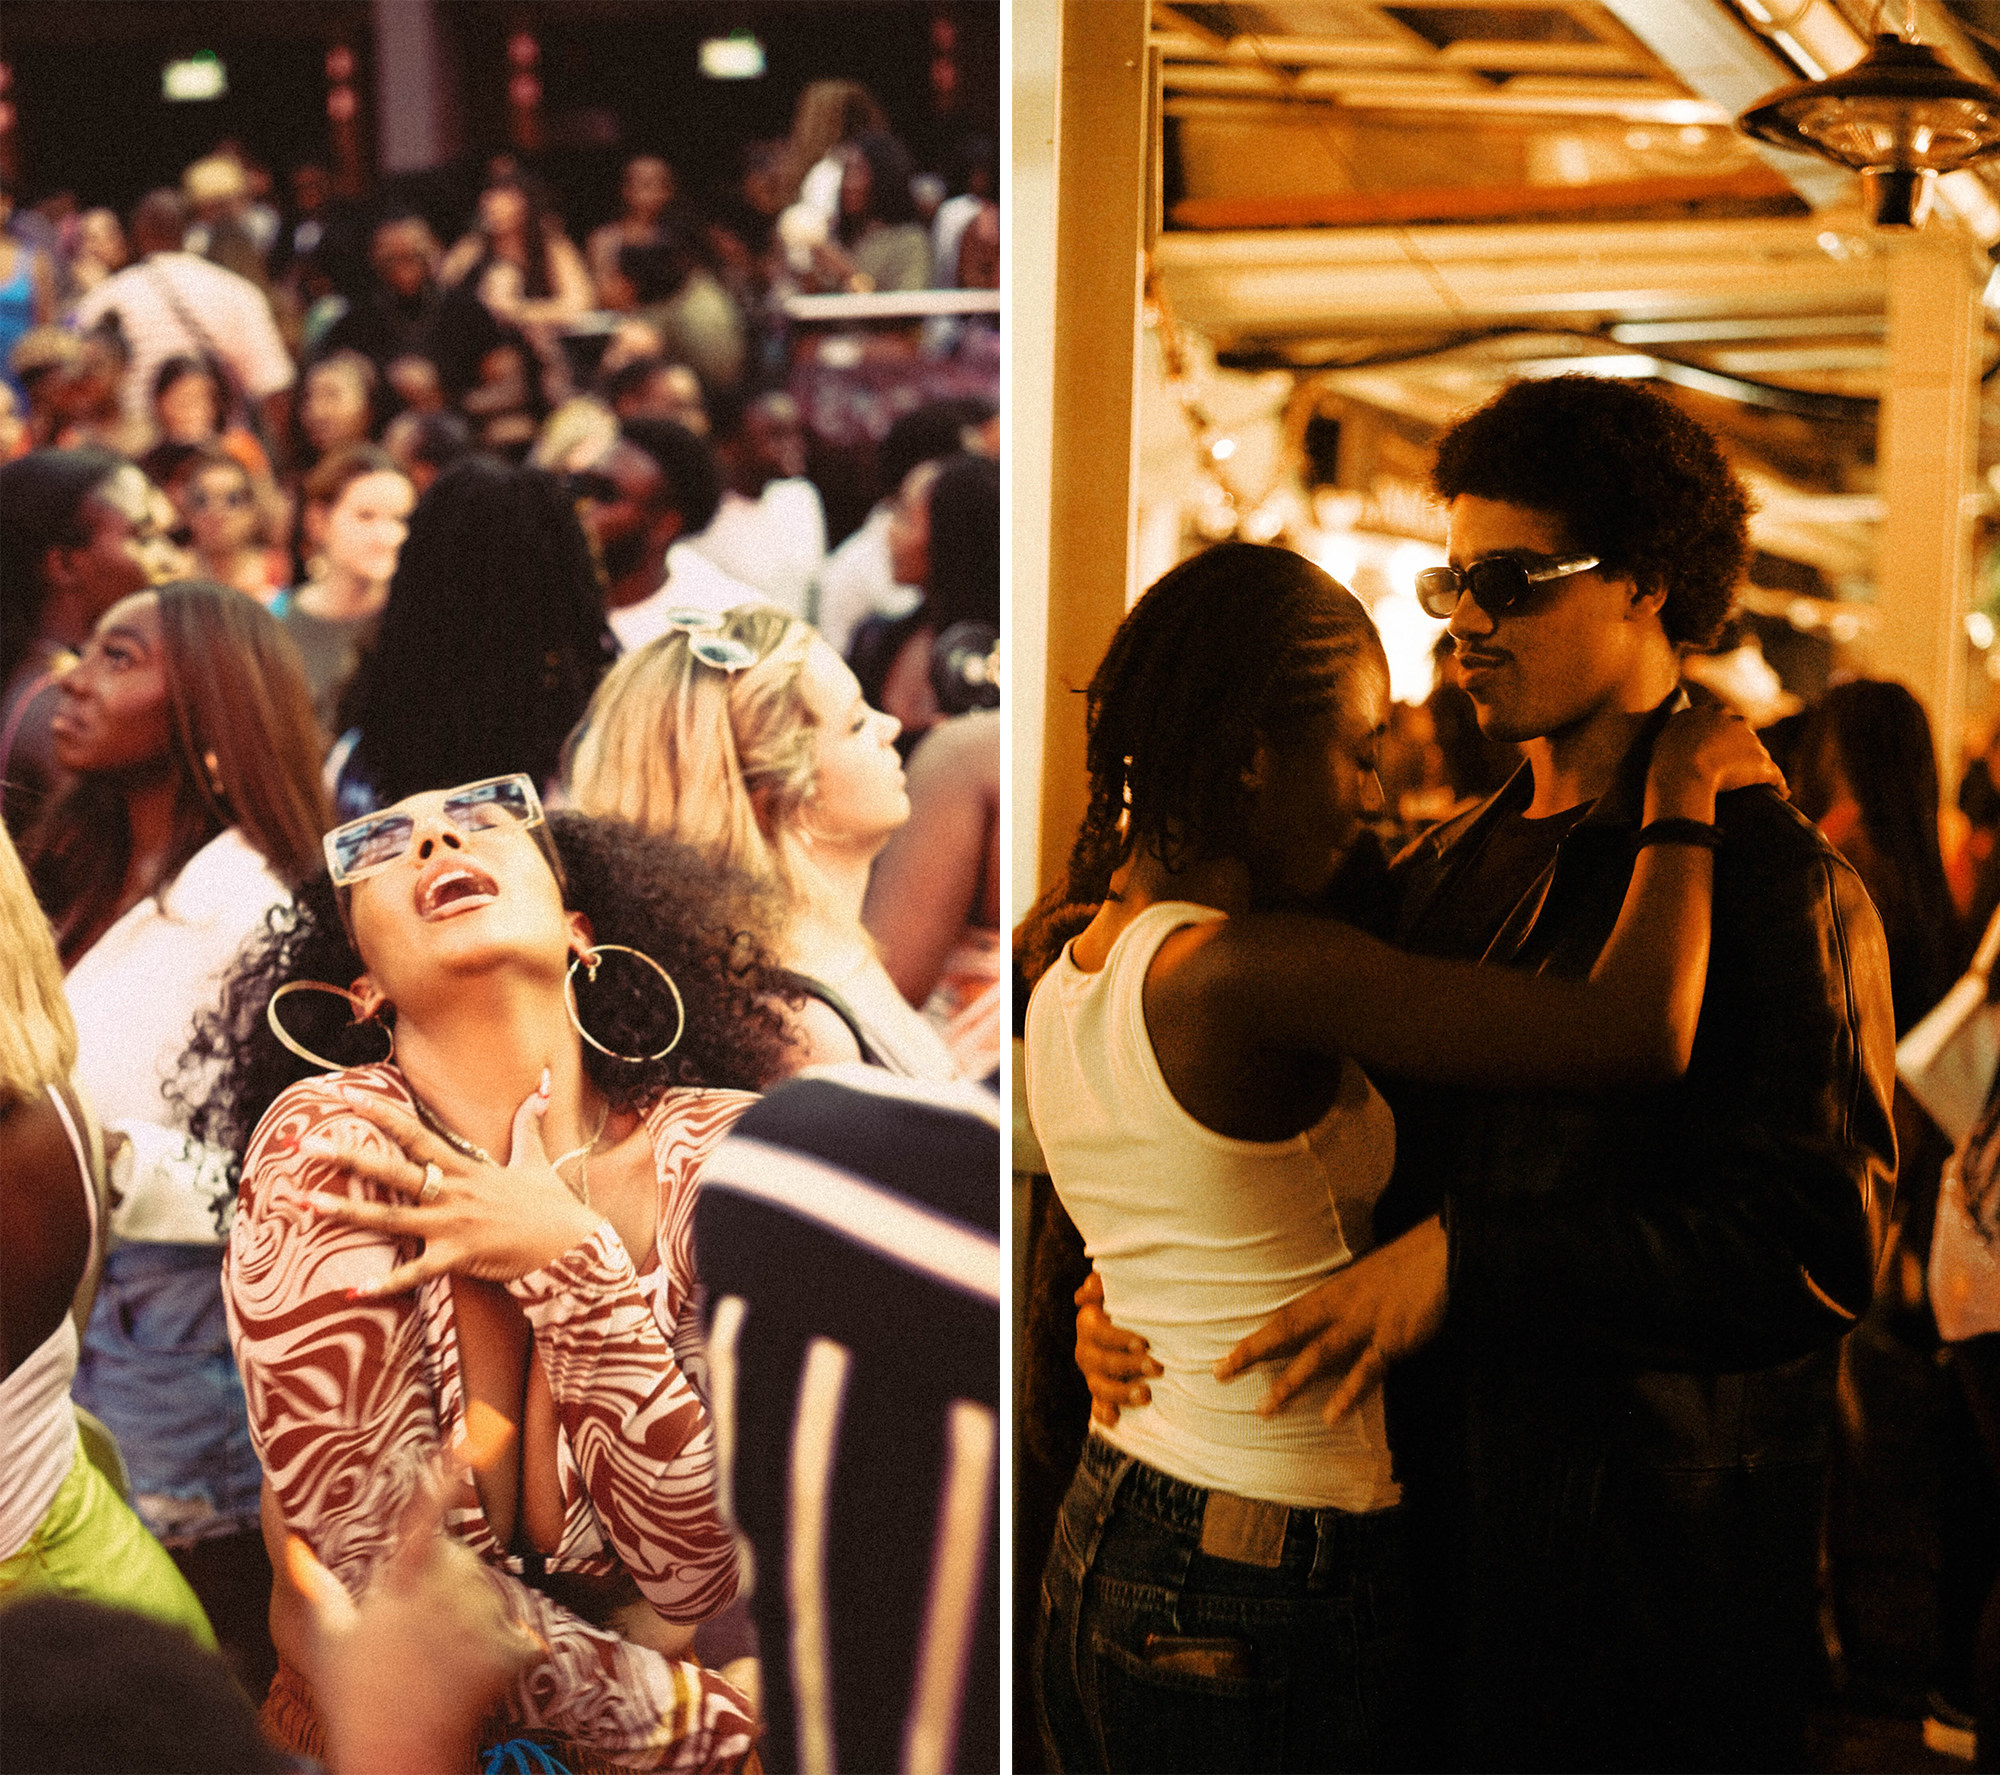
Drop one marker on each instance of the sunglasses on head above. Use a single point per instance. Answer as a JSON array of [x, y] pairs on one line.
[[724, 652], [372, 843], [1497, 583]]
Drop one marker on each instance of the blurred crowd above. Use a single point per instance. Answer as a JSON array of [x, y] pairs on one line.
[[319, 510], [213, 319]]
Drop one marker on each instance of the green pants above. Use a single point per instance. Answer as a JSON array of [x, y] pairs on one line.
[[90, 1545]]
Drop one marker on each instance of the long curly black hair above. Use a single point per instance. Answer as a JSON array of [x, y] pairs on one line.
[[1232, 647], [1632, 478], [708, 926]]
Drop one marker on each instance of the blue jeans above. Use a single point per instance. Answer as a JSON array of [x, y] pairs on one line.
[[157, 1368], [1153, 1655]]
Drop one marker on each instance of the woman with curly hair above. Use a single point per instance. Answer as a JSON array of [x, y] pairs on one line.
[[193, 807], [1194, 1073], [405, 1249], [748, 738]]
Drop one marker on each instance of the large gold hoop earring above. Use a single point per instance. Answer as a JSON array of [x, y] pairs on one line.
[[588, 961], [299, 1048]]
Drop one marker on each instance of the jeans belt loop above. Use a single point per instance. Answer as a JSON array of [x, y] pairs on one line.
[[1250, 1531], [1326, 1548], [1107, 1499]]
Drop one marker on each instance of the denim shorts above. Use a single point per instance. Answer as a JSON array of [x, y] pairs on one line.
[[1153, 1655], [158, 1369]]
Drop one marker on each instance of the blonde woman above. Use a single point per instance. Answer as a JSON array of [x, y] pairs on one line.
[[746, 736], [63, 1528]]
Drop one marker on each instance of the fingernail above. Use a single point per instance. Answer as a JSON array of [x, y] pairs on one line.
[[547, 1085], [364, 1290]]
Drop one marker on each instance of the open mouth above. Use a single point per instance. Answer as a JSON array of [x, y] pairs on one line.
[[451, 886]]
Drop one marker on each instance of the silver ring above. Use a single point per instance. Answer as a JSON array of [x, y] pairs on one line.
[[433, 1184]]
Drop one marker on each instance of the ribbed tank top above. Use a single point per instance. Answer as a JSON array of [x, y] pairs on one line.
[[1200, 1237], [38, 1439]]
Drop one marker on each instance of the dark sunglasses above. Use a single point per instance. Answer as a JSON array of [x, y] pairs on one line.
[[1497, 583], [587, 484]]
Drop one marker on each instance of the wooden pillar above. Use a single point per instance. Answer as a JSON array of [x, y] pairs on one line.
[[416, 108], [1928, 457], [1101, 129], [1036, 29]]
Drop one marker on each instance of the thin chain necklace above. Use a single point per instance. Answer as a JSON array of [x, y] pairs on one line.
[[580, 1189], [583, 1152]]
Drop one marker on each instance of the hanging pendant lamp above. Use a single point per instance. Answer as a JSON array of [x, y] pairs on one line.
[[1899, 117]]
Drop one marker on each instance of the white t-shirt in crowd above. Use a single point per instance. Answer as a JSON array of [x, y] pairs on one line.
[[693, 582], [173, 304], [774, 542], [135, 993], [856, 582]]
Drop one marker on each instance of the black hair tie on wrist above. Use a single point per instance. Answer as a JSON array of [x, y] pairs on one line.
[[1679, 831]]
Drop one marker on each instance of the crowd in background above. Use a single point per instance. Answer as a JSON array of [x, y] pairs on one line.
[[309, 510]]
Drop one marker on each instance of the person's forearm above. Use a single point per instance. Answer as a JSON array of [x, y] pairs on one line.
[[1656, 963], [640, 1435]]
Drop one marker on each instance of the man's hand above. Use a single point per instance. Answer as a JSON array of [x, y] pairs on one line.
[[1114, 1362], [1372, 1313]]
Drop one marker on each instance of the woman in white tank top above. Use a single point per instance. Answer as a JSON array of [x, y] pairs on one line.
[[1224, 1591]]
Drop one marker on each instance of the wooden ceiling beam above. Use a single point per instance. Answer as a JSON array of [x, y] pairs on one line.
[[1473, 203]]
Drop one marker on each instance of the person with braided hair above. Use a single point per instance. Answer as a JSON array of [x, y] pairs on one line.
[[1611, 1318], [1225, 1587]]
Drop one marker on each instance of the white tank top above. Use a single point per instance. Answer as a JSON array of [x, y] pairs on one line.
[[38, 1439], [1199, 1237]]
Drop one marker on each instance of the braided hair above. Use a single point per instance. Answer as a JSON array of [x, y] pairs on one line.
[[1235, 646]]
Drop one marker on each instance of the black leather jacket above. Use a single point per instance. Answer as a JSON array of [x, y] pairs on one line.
[[1644, 1292]]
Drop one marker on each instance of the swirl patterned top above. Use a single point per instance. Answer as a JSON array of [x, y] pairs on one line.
[[349, 1398]]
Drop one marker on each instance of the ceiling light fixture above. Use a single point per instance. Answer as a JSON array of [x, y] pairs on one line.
[[1899, 117]]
